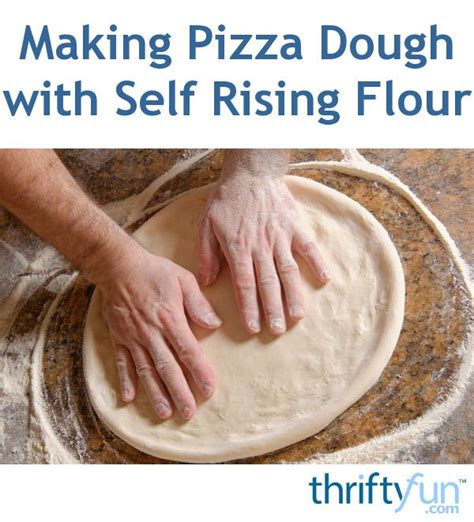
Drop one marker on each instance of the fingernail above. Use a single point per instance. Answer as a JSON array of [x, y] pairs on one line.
[[296, 312], [325, 275], [277, 325], [212, 320], [126, 394], [186, 412], [253, 326], [207, 390], [163, 410]]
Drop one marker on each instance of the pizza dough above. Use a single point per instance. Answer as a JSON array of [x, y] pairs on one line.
[[271, 391]]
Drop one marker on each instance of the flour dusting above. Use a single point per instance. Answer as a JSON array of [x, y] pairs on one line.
[[21, 361]]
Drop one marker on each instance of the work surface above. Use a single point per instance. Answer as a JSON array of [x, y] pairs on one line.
[[418, 375]]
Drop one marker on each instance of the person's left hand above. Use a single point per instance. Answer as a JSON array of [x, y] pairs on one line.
[[254, 220]]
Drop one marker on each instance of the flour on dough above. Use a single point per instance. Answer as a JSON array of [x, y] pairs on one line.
[[271, 391]]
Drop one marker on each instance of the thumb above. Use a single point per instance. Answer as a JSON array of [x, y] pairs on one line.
[[208, 252]]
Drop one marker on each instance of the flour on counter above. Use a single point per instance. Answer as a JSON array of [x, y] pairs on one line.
[[21, 362]]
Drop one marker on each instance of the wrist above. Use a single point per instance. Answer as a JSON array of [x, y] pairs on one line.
[[258, 164], [111, 260]]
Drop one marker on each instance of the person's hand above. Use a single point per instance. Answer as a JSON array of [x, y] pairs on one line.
[[145, 302], [253, 219]]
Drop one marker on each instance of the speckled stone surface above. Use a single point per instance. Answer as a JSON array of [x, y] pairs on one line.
[[426, 356]]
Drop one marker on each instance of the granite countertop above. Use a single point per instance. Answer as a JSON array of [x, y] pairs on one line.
[[418, 375]]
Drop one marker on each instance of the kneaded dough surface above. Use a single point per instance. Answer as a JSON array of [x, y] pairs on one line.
[[271, 391]]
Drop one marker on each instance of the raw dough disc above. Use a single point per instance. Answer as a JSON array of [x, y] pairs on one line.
[[271, 391]]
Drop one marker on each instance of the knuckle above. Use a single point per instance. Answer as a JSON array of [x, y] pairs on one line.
[[308, 247], [120, 354], [244, 282], [185, 349], [269, 279], [288, 267], [144, 370], [121, 363], [164, 369], [187, 355]]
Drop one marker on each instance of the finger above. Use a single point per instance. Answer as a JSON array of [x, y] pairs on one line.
[[191, 355], [126, 371], [172, 376], [290, 279], [197, 306], [208, 253], [308, 250], [154, 388], [245, 289], [270, 292]]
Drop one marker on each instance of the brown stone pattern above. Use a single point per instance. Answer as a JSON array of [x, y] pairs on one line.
[[444, 180], [419, 373], [110, 175]]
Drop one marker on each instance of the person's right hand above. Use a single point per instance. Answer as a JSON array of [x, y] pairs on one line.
[[145, 301]]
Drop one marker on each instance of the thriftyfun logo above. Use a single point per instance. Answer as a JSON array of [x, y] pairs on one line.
[[434, 496]]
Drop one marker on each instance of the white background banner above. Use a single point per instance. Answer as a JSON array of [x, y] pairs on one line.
[[240, 493], [237, 492], [397, 116]]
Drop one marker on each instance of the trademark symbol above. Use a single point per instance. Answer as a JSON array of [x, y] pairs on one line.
[[462, 481]]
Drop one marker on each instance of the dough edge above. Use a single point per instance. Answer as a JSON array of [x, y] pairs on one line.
[[298, 429]]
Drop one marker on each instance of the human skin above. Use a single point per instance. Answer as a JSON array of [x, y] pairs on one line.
[[149, 301], [253, 219]]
